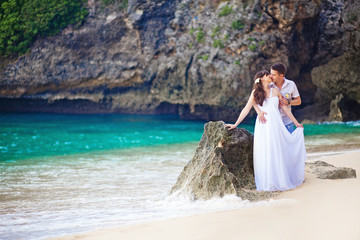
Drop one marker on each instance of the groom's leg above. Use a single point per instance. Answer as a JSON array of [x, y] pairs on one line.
[[290, 127]]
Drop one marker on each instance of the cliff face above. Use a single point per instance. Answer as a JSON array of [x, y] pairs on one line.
[[192, 58]]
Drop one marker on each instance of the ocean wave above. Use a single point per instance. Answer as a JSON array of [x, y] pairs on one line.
[[348, 123]]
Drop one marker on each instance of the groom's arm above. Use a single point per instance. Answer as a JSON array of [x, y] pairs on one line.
[[295, 101], [260, 113]]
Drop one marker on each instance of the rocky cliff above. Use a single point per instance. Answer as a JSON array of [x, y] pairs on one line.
[[195, 58]]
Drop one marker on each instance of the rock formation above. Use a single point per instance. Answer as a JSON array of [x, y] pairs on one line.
[[324, 170], [194, 58], [222, 164]]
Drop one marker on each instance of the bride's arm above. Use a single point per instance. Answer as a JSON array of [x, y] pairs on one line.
[[288, 112], [244, 112], [291, 116]]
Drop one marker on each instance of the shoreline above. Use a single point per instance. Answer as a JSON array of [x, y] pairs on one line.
[[321, 209], [320, 156]]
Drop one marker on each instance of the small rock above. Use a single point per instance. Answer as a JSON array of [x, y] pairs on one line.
[[324, 170]]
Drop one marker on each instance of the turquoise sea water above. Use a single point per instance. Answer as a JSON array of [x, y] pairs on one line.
[[41, 135], [64, 174]]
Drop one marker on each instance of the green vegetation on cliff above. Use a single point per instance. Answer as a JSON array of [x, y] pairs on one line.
[[121, 4], [237, 25], [225, 10], [22, 21]]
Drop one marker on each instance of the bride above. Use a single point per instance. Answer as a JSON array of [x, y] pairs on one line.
[[279, 156]]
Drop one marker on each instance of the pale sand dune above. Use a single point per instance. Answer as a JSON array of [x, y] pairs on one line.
[[324, 209]]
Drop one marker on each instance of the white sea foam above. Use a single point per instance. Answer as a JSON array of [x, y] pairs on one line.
[[185, 207], [352, 123]]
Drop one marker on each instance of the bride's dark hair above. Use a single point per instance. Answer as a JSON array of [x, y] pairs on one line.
[[259, 93]]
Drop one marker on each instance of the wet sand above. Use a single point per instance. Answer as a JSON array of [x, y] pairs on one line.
[[321, 209]]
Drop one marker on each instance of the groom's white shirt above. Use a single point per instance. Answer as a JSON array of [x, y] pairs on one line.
[[289, 91]]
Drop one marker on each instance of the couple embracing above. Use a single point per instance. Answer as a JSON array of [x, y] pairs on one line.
[[279, 147]]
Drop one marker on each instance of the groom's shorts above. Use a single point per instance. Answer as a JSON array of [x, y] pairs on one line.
[[290, 127]]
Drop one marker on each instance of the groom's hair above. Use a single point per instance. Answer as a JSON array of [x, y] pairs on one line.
[[279, 67]]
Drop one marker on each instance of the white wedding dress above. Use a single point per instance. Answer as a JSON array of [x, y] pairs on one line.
[[279, 157]]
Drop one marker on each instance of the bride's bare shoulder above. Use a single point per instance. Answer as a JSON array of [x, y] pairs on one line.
[[276, 92]]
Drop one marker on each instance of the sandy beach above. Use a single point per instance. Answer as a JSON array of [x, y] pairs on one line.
[[319, 209]]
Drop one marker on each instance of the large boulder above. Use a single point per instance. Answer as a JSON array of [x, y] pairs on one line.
[[222, 164]]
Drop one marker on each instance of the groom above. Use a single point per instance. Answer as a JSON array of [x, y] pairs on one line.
[[289, 91]]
